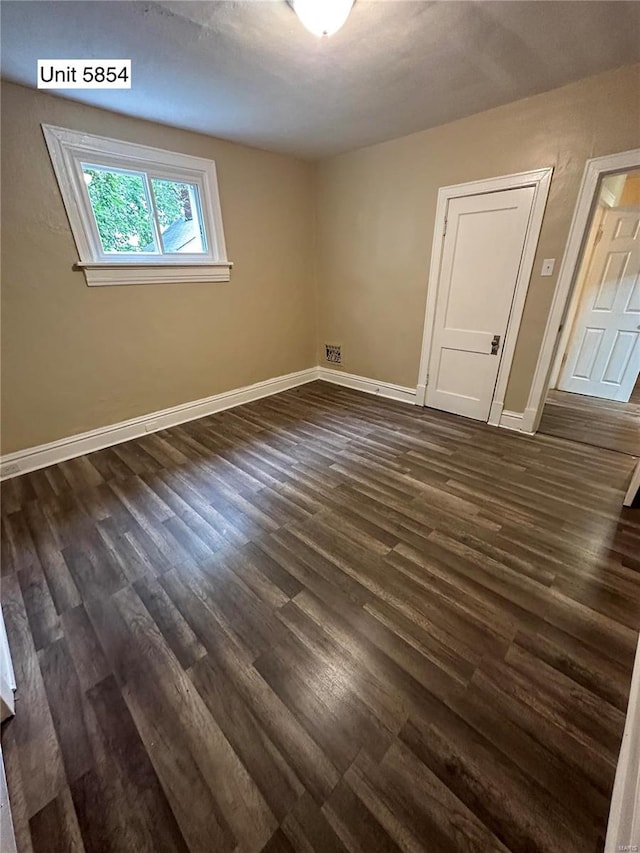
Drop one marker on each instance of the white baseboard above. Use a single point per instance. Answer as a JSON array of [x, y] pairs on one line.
[[513, 421], [370, 386], [623, 832], [32, 458]]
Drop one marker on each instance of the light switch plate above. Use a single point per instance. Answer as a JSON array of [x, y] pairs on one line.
[[547, 266]]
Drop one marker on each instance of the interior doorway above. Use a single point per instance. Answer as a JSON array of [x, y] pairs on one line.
[[484, 243], [594, 389]]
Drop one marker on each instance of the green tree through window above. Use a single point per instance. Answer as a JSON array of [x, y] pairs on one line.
[[119, 203]]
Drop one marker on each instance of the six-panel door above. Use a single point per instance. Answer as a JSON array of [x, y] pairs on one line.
[[603, 356]]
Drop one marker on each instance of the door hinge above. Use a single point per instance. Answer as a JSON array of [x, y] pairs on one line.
[[446, 219], [426, 381], [598, 236]]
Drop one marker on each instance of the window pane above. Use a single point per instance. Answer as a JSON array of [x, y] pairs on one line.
[[121, 208], [179, 216]]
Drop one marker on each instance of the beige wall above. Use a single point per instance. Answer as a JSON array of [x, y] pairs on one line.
[[376, 210], [631, 189], [75, 357]]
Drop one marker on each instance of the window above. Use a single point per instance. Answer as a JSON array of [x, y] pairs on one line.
[[139, 215]]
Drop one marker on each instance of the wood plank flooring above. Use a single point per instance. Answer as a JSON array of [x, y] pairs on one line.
[[320, 622], [602, 423]]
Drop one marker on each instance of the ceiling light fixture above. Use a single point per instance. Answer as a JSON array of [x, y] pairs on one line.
[[322, 17]]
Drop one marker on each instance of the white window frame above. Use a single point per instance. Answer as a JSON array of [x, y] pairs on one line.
[[68, 149]]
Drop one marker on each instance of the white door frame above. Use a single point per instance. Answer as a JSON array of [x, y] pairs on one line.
[[7, 676], [562, 306], [540, 180], [634, 486], [623, 829]]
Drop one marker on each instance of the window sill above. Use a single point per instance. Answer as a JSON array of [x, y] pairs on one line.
[[101, 274]]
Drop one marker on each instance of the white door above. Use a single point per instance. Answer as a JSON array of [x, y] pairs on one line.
[[481, 255], [603, 356]]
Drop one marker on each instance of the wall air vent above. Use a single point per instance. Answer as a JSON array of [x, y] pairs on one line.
[[333, 353]]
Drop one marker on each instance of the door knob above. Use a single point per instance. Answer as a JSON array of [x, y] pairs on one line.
[[495, 345]]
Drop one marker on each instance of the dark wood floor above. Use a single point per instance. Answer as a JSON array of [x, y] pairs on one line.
[[601, 423], [320, 622]]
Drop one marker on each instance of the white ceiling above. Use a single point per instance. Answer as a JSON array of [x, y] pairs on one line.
[[249, 71]]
